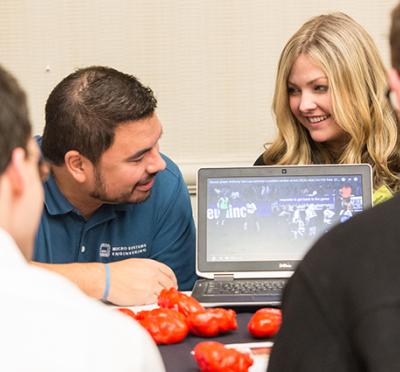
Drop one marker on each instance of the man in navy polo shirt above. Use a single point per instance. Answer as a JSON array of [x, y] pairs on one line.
[[117, 219]]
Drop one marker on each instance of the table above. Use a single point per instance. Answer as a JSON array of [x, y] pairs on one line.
[[178, 357]]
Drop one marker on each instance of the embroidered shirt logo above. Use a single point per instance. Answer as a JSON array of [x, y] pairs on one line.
[[128, 250], [105, 250]]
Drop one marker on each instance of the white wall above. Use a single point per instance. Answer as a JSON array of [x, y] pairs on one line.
[[211, 63]]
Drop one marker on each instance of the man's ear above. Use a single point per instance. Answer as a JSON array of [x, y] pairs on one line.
[[15, 171], [77, 165], [394, 83]]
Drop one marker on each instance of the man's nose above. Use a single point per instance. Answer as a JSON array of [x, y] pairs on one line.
[[156, 162]]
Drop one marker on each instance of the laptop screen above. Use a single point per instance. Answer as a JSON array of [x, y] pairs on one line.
[[270, 216]]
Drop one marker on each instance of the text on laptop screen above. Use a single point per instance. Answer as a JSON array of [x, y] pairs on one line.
[[263, 218]]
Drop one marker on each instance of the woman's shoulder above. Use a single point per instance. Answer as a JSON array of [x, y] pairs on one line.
[[260, 160]]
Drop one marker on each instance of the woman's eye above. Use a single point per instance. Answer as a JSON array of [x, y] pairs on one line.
[[292, 91], [321, 88]]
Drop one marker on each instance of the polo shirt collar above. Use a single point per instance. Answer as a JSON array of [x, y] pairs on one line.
[[57, 204], [54, 200]]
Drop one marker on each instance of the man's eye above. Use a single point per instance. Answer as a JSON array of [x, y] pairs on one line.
[[136, 160]]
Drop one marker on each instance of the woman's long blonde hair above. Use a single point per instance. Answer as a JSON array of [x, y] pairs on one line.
[[357, 84]]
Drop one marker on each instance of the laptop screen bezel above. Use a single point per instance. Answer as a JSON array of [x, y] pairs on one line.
[[206, 268]]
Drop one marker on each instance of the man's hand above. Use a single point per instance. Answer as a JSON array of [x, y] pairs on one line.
[[134, 281], [138, 281]]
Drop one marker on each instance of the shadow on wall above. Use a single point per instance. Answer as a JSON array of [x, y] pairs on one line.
[[193, 199]]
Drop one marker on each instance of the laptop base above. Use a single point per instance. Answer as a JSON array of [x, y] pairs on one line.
[[199, 292]]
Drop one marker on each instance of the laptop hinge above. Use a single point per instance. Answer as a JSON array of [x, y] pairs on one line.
[[223, 277]]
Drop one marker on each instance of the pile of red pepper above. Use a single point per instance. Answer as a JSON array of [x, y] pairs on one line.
[[180, 314], [201, 322]]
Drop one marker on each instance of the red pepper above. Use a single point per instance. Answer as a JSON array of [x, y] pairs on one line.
[[173, 299], [166, 326], [126, 311], [265, 322], [211, 322], [213, 356]]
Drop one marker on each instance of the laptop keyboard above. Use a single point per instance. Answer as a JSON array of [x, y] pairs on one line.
[[244, 286]]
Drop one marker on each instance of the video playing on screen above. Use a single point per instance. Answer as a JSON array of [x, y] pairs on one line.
[[253, 219]]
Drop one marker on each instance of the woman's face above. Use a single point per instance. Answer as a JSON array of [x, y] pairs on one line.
[[311, 104]]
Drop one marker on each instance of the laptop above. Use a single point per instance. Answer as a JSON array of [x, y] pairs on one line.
[[255, 224]]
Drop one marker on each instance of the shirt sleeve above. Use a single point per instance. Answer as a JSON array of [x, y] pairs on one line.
[[260, 160], [175, 239]]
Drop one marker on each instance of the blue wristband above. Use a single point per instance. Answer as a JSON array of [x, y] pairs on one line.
[[107, 287]]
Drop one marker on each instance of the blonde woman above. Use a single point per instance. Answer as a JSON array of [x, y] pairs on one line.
[[330, 103]]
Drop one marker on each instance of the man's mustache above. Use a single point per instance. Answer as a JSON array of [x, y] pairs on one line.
[[147, 180]]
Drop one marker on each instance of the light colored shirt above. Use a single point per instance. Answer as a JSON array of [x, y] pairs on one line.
[[47, 324]]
